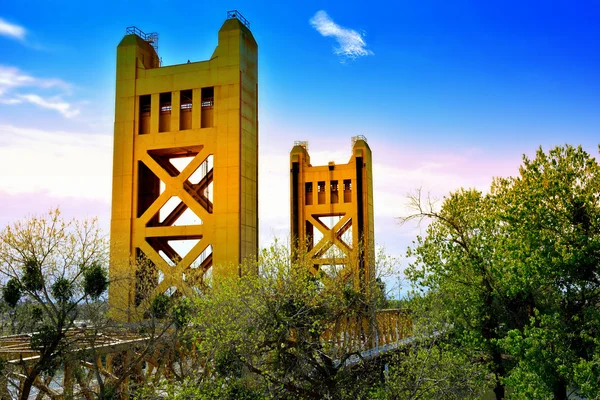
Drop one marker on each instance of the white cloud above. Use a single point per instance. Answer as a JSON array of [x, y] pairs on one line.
[[351, 43], [60, 164], [10, 101], [66, 109], [11, 77], [12, 80], [12, 30]]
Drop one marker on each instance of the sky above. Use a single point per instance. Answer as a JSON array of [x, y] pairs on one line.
[[448, 94]]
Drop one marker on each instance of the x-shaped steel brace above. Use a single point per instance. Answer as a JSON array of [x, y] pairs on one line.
[[175, 185], [330, 236]]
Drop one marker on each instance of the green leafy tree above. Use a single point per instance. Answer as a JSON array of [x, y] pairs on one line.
[[552, 222], [455, 262], [51, 267], [267, 334], [431, 365], [516, 273]]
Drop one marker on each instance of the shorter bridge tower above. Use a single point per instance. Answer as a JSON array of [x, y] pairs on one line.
[[332, 213]]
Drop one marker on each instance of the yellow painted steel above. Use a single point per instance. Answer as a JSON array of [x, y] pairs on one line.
[[343, 196], [204, 113]]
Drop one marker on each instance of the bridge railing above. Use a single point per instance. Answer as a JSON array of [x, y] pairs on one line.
[[393, 325], [363, 336], [359, 333]]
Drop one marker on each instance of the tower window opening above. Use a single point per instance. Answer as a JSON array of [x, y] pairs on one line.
[[347, 190], [185, 113], [321, 192], [144, 117], [207, 104], [208, 97], [333, 186], [165, 102], [308, 193], [164, 123]]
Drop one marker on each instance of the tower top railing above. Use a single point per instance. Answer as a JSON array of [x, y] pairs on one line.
[[236, 14], [301, 143], [358, 137], [151, 37]]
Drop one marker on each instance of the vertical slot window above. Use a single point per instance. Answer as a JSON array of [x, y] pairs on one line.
[[144, 117], [308, 193], [333, 187], [321, 192], [207, 104], [185, 112], [164, 120], [347, 190]]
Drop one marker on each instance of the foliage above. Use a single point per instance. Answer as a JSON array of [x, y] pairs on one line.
[[11, 293], [62, 290], [432, 366], [432, 370], [182, 313], [516, 272], [42, 264], [95, 280], [262, 334], [216, 388], [160, 306], [33, 280]]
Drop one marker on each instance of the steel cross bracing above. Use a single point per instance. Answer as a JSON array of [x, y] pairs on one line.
[[332, 237], [157, 234]]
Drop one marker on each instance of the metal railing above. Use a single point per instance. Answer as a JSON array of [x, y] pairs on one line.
[[236, 14], [151, 37], [359, 333], [358, 137], [301, 143]]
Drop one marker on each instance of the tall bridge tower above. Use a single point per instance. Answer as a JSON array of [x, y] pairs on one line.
[[185, 172], [332, 213]]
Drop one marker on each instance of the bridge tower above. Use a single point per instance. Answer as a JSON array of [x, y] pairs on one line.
[[332, 213], [185, 172]]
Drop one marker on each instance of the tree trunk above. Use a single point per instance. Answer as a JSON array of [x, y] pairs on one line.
[[489, 326], [45, 356], [499, 391], [560, 391], [28, 383]]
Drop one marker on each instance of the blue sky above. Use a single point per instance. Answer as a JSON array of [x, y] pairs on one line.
[[449, 94]]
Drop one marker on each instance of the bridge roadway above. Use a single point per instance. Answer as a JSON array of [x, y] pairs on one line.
[[120, 356]]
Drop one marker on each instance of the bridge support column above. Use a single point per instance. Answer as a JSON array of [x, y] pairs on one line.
[[185, 168]]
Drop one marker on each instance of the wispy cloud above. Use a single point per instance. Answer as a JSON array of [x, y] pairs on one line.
[[12, 30], [351, 43], [10, 101], [66, 109], [13, 77], [12, 81]]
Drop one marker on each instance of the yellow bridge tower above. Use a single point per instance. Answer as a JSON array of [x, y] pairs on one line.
[[332, 213], [185, 172]]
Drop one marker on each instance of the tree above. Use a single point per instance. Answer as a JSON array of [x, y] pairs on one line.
[[516, 272], [552, 214], [51, 267], [270, 334], [432, 368], [431, 365]]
